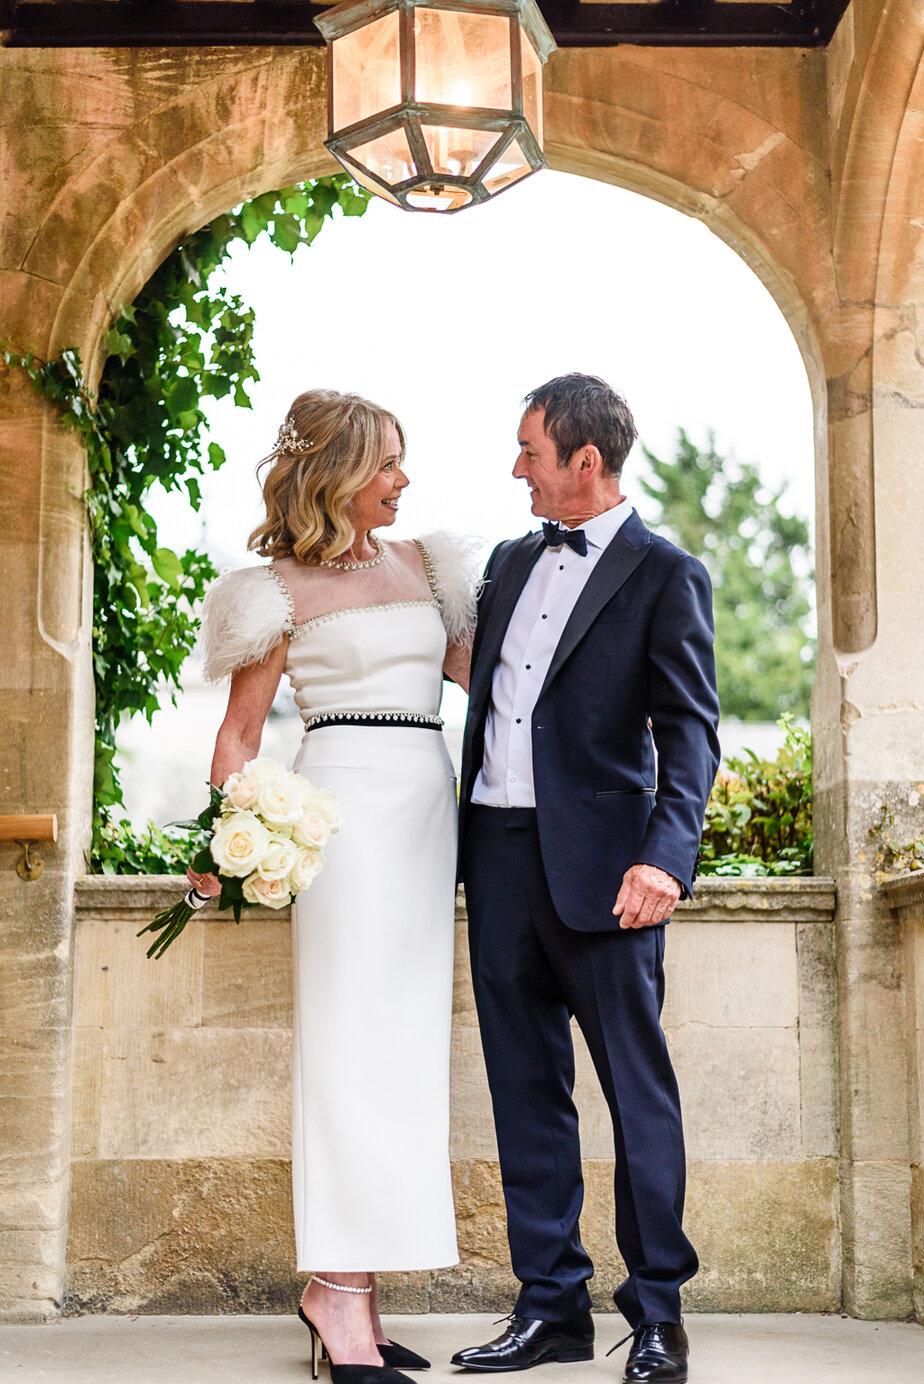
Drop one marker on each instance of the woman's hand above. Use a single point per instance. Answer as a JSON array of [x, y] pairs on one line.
[[206, 884]]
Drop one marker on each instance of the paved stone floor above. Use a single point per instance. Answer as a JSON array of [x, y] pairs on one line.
[[274, 1350]]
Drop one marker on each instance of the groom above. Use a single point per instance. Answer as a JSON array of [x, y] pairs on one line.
[[590, 749]]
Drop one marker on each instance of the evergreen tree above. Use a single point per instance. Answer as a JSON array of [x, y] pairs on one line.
[[760, 562]]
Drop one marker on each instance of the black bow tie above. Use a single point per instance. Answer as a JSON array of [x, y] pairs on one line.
[[555, 536]]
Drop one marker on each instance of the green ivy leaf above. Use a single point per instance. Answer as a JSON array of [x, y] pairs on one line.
[[119, 344], [184, 396], [286, 234], [168, 567], [252, 223], [135, 520], [105, 786]]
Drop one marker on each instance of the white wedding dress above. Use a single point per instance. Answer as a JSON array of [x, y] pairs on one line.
[[373, 937]]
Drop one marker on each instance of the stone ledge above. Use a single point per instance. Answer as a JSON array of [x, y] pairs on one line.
[[739, 899], [791, 899], [138, 897], [904, 891]]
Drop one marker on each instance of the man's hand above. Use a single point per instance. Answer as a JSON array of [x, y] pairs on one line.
[[647, 897]]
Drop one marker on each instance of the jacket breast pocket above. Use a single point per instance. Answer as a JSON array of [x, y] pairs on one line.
[[625, 793]]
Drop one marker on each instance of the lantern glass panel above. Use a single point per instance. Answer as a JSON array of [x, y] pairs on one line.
[[462, 59], [366, 71], [512, 165], [361, 176], [442, 199], [532, 87], [389, 156], [455, 151]]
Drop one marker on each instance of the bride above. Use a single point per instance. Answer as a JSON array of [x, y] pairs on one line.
[[364, 630]]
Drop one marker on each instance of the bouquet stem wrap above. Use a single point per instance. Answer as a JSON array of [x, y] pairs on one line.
[[170, 922]]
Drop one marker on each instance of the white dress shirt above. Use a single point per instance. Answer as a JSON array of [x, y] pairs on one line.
[[536, 626]]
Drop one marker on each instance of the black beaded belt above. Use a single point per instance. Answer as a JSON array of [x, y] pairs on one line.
[[373, 718]]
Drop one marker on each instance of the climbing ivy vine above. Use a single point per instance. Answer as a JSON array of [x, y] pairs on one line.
[[185, 338]]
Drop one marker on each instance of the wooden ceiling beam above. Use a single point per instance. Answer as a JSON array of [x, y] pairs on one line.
[[286, 23]]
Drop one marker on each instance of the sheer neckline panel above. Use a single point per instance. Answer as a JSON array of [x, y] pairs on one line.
[[405, 578]]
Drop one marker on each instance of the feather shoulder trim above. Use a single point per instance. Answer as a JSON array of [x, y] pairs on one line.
[[456, 565], [244, 615]]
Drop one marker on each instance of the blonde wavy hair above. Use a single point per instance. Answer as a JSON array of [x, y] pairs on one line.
[[308, 493]]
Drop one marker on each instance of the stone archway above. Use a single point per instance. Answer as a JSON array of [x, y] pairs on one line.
[[803, 161]]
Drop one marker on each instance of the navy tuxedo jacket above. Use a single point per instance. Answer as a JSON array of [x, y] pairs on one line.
[[637, 647]]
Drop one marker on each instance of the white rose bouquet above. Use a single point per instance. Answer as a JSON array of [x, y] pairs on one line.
[[267, 832]]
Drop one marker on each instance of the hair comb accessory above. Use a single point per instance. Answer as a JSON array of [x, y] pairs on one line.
[[288, 440]]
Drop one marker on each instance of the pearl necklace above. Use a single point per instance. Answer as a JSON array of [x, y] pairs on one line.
[[377, 544]]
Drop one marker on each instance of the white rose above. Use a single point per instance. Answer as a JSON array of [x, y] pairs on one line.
[[279, 803], [241, 791], [278, 858], [263, 770], [311, 830], [307, 865], [239, 844], [274, 893], [321, 800]]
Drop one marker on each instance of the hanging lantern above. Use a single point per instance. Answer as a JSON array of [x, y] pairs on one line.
[[436, 106]]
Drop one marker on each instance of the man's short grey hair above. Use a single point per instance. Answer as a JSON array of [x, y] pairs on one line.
[[582, 410]]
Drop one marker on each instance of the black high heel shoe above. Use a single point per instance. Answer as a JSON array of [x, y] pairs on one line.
[[346, 1374], [400, 1358]]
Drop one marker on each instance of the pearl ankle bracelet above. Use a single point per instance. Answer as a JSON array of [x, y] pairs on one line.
[[337, 1287]]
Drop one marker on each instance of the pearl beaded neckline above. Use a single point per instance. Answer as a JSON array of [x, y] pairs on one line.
[[380, 550]]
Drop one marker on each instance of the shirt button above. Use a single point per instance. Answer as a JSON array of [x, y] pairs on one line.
[[513, 778], [529, 665], [561, 567], [545, 617], [519, 718]]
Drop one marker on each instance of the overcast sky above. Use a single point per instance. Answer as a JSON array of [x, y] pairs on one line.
[[449, 320]]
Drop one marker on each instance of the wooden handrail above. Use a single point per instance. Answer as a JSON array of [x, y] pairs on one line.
[[29, 827]]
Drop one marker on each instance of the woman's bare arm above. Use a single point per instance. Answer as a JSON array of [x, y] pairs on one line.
[[252, 691], [457, 663]]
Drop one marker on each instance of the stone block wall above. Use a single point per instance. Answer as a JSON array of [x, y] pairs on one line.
[[180, 1198], [906, 897]]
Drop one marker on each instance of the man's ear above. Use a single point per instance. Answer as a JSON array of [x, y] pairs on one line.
[[590, 460]]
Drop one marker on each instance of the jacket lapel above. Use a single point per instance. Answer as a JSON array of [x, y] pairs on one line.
[[508, 589], [618, 561]]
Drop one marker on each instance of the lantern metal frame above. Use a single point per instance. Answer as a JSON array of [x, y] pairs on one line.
[[510, 123]]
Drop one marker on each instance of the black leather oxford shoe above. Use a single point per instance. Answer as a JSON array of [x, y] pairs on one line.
[[658, 1354], [528, 1341]]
